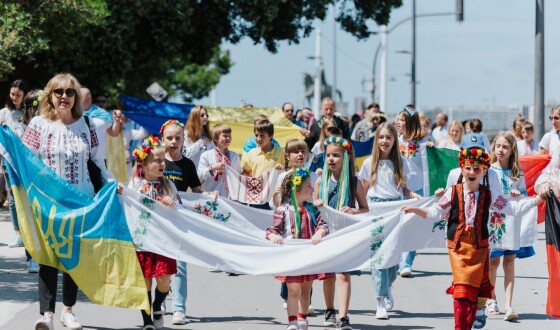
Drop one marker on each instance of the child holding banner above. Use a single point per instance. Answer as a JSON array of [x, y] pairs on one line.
[[297, 218], [384, 178], [340, 189], [504, 162], [148, 180], [468, 205]]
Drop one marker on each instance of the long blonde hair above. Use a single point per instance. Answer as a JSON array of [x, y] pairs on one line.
[[412, 125], [394, 156], [194, 129], [459, 125], [61, 80], [513, 162]]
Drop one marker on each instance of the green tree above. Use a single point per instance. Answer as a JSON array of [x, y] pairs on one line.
[[121, 46]]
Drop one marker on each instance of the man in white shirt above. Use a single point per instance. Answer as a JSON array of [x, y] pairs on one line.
[[439, 133], [102, 120]]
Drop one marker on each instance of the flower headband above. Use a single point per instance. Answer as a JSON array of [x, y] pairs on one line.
[[337, 140], [170, 122], [147, 146], [300, 174], [474, 156], [409, 111], [378, 114]]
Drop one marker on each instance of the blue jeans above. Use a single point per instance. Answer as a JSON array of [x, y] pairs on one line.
[[12, 208], [383, 279], [407, 258], [179, 287]]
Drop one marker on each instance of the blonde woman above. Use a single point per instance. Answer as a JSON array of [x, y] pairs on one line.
[[454, 136]]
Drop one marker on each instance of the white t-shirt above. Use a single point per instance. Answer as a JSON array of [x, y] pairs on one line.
[[446, 144], [439, 133], [550, 142], [11, 118], [384, 187], [410, 151]]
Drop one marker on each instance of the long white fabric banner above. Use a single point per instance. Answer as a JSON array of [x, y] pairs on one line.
[[231, 237]]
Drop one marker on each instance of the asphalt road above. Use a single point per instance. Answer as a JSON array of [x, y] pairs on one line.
[[216, 301]]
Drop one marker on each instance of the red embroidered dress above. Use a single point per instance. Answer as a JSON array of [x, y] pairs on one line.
[[284, 224], [153, 264]]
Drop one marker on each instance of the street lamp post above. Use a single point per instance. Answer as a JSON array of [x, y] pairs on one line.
[[412, 75]]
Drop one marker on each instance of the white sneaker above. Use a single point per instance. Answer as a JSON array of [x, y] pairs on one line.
[[381, 312], [293, 325], [310, 311], [158, 323], [69, 320], [16, 242], [285, 304], [302, 324], [45, 322], [406, 272], [214, 270], [179, 318], [389, 302], [32, 266]]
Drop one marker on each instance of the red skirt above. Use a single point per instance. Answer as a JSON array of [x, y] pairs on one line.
[[155, 265], [304, 278]]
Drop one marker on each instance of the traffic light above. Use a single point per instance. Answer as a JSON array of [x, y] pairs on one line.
[[459, 13]]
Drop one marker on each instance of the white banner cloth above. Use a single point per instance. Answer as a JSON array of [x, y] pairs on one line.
[[231, 236], [251, 190]]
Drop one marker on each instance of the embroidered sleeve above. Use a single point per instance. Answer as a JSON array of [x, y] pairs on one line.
[[440, 209], [203, 169], [32, 138], [321, 224], [278, 226]]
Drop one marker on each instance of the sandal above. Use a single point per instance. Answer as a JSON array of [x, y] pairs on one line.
[[510, 315], [492, 307]]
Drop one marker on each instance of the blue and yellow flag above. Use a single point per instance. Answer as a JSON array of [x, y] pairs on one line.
[[87, 238]]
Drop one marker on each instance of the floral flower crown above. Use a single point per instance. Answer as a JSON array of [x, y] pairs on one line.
[[378, 114], [170, 122], [147, 146], [299, 175], [38, 98], [474, 156], [337, 140]]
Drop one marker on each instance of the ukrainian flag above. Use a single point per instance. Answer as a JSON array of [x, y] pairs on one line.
[[87, 238]]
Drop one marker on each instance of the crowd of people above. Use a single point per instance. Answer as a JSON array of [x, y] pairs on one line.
[[62, 127]]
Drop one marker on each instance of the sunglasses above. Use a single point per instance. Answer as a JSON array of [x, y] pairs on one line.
[[554, 118], [69, 92]]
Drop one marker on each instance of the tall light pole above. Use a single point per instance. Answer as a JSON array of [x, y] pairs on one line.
[[413, 63], [539, 68], [412, 76], [383, 70], [317, 85]]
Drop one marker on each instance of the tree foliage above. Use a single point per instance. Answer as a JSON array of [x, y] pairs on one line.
[[122, 46]]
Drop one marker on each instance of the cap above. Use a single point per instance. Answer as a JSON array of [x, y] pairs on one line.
[[472, 140]]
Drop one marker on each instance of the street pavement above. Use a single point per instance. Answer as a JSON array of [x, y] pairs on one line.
[[217, 301]]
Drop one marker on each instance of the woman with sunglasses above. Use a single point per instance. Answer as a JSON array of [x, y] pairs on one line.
[[63, 140], [197, 134], [10, 116], [551, 140]]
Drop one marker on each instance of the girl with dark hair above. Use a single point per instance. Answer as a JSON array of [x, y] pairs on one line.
[[9, 116]]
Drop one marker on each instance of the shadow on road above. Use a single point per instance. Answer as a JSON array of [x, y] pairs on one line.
[[15, 283]]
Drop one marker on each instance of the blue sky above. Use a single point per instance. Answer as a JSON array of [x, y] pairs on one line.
[[488, 59]]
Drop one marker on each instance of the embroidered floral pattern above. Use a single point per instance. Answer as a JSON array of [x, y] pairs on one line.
[[209, 210], [444, 202], [408, 150], [497, 227], [441, 224], [376, 242], [500, 202], [139, 234]]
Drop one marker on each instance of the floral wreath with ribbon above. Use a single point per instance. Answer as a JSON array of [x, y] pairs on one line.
[[344, 179], [146, 147], [299, 176], [168, 123], [474, 156]]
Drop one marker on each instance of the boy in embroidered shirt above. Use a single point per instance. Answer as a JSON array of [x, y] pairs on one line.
[[266, 156]]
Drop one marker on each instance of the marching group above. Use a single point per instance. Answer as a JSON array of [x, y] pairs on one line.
[[61, 126]]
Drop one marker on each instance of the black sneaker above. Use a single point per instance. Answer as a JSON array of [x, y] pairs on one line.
[[345, 323], [330, 317]]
